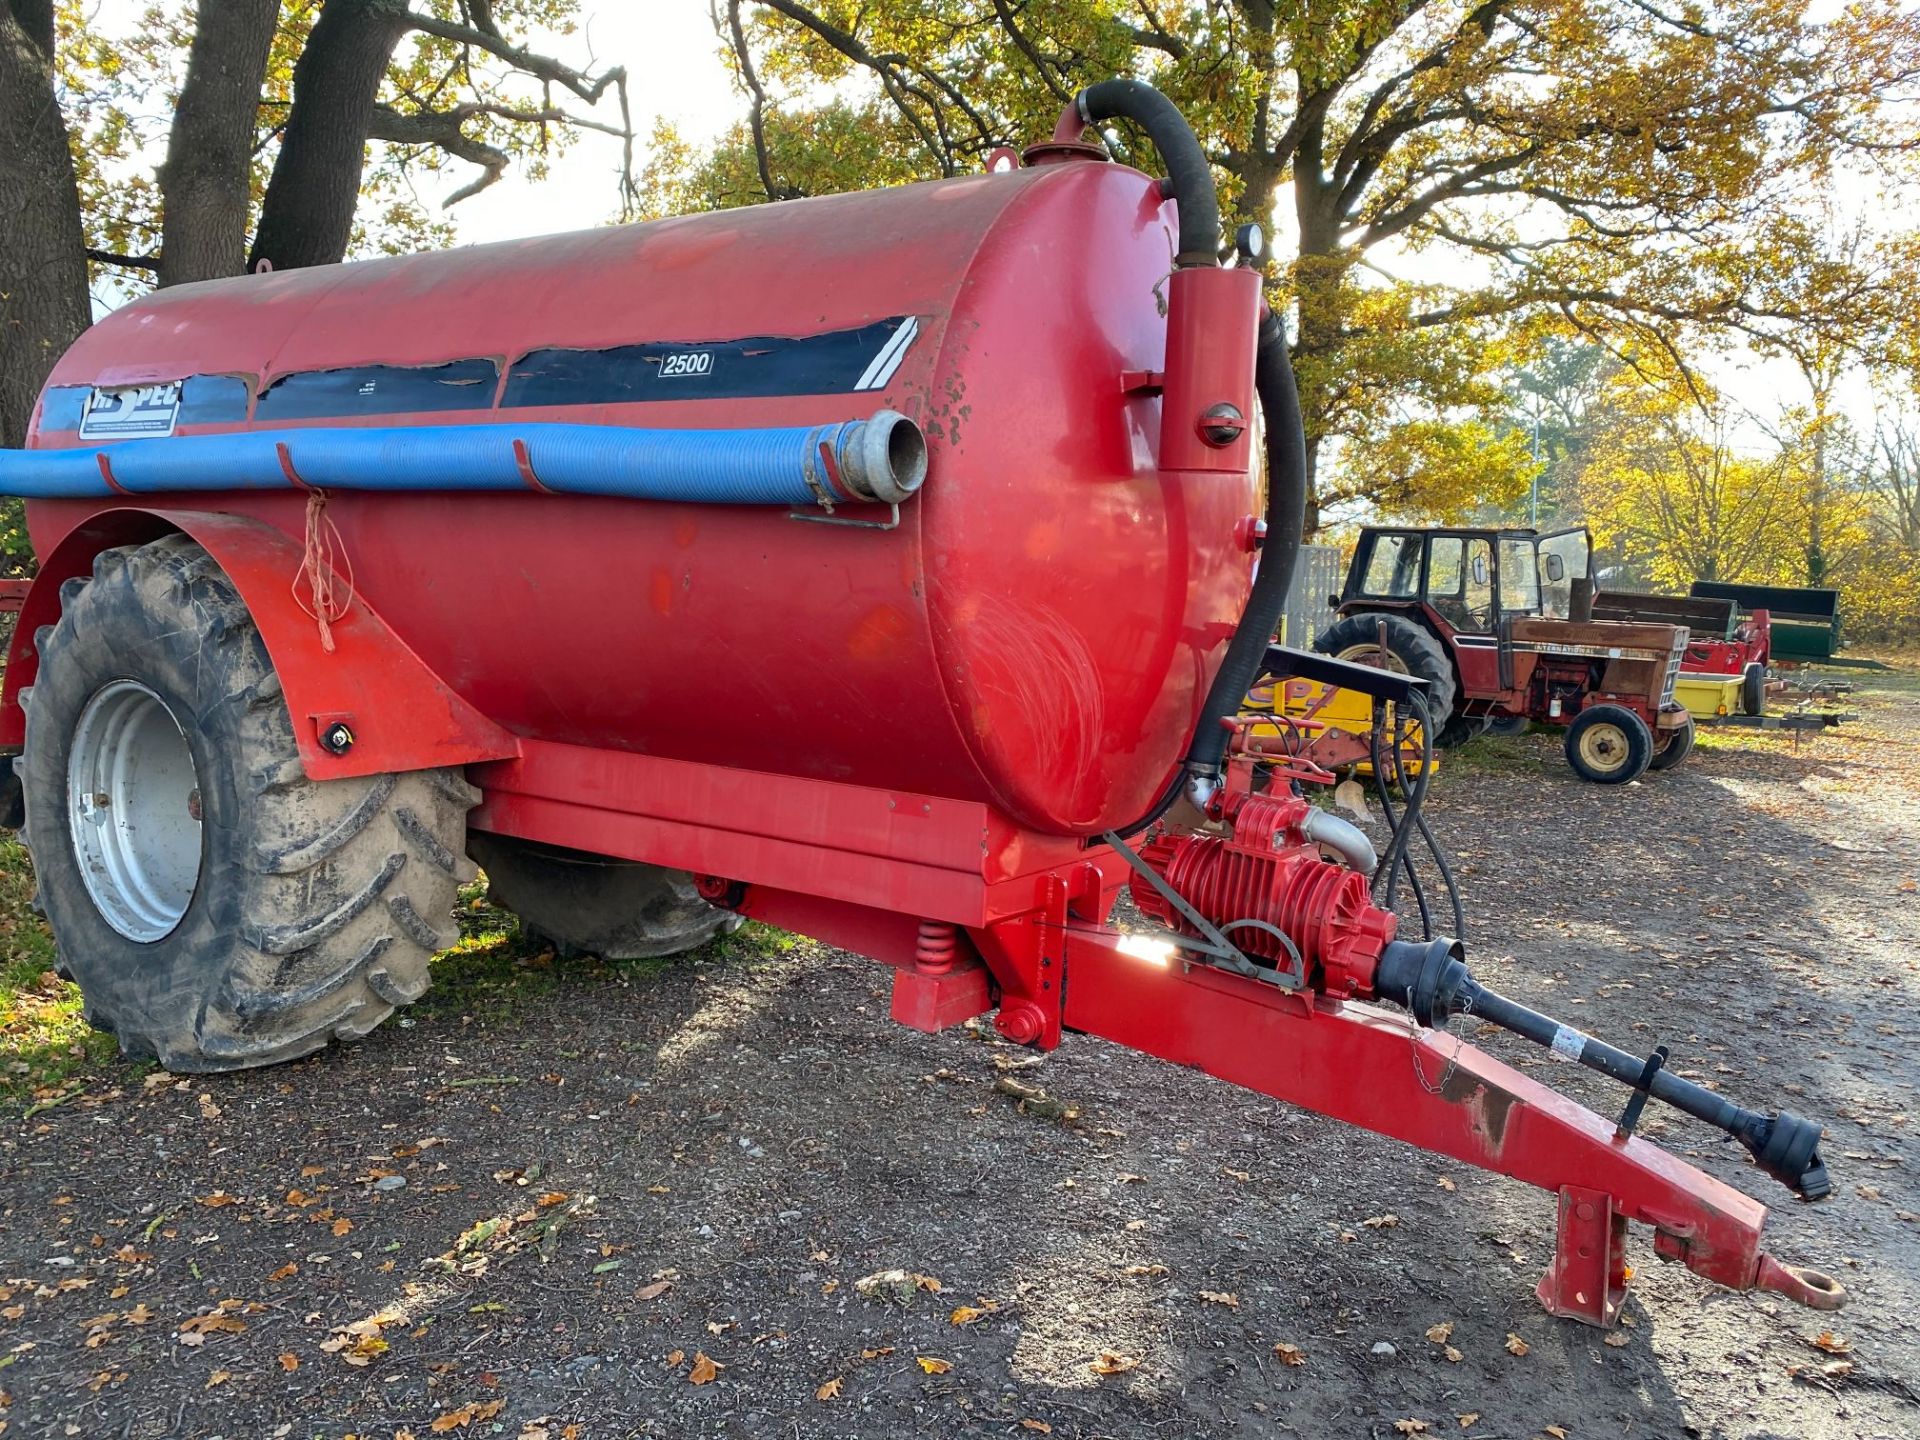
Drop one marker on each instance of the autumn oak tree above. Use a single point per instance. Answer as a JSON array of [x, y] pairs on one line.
[[266, 110], [1447, 172]]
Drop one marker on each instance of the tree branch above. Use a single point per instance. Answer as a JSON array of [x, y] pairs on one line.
[[125, 262]]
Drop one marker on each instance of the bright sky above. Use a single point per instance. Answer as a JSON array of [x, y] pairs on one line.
[[674, 73]]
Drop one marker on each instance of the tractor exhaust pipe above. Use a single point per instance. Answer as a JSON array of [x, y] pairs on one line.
[[1431, 980]]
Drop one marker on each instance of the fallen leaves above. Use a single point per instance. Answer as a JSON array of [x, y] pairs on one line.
[[1039, 1427], [1618, 1339], [1468, 1419], [361, 1343], [1289, 1354], [218, 1199], [1145, 1270], [342, 1226], [285, 1272], [1221, 1297], [1381, 1222], [218, 1377], [897, 1285], [1112, 1362], [967, 1314], [1440, 1333], [215, 1322], [1410, 1426], [1831, 1343], [830, 1390], [466, 1415], [1515, 1345], [1558, 1432], [705, 1369], [653, 1291], [933, 1364]]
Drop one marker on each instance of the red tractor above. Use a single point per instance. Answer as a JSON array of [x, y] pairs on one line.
[[1498, 623], [878, 566]]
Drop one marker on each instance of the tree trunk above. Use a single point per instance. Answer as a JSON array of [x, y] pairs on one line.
[[206, 182], [43, 262], [1317, 277], [307, 216]]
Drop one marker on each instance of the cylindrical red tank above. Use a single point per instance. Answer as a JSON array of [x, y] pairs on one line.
[[1037, 633]]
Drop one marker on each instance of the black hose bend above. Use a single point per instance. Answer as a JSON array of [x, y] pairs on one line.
[[1190, 178]]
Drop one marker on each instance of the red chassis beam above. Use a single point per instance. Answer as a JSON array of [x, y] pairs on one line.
[[973, 914], [1379, 1071]]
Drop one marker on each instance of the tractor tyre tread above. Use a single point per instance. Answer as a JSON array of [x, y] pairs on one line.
[[318, 902], [1412, 644], [1677, 745]]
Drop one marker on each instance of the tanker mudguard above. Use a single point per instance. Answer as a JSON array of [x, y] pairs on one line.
[[368, 706]]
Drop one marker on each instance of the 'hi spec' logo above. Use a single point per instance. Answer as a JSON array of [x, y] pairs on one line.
[[141, 411]]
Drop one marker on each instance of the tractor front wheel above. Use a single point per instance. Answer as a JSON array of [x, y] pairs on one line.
[[1672, 747], [217, 907], [1609, 745]]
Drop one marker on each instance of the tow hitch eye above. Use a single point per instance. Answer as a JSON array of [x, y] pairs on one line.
[[1431, 980], [1811, 1288]]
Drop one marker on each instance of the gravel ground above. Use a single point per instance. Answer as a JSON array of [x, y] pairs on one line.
[[637, 1200]]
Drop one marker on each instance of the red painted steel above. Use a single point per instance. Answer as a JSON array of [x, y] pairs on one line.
[[988, 650], [905, 740], [401, 715], [1362, 1065]]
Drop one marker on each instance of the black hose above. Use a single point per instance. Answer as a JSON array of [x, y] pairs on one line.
[[1190, 180], [1189, 177]]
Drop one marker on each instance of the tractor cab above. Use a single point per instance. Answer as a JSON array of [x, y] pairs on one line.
[[1499, 623], [1466, 581]]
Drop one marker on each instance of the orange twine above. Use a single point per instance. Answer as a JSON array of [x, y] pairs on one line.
[[319, 569]]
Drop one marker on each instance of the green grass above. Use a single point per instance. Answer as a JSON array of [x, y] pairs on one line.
[[48, 1051], [46, 1047]]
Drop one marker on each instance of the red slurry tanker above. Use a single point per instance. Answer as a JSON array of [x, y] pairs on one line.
[[878, 566]]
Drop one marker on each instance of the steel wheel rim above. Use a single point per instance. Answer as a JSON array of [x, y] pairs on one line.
[[133, 811], [1370, 652], [1604, 747]]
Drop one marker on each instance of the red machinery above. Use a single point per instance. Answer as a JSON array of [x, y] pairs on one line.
[[943, 726]]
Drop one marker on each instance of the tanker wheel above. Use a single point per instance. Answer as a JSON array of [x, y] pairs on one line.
[[595, 905], [217, 907], [1609, 745], [1410, 650], [1753, 689], [1672, 746]]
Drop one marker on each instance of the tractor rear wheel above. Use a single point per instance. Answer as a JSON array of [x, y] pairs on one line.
[[1462, 728], [1410, 649], [1508, 726], [596, 905], [1609, 745], [1672, 746], [217, 907], [1753, 689]]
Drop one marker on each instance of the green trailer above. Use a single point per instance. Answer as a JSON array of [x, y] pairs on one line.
[[1805, 624]]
